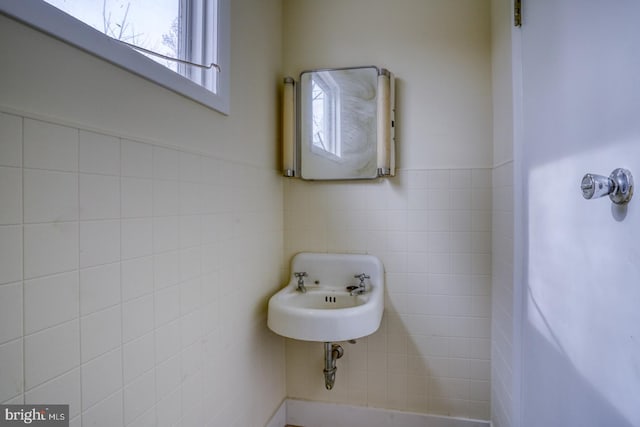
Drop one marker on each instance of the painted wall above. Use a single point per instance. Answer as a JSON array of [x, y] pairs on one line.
[[430, 225], [140, 235], [581, 322], [440, 52]]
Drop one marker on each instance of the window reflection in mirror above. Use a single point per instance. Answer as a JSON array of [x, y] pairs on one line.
[[338, 123], [325, 113]]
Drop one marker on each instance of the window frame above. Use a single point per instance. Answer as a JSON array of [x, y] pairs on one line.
[[52, 21]]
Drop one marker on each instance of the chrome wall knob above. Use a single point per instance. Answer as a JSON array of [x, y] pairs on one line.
[[594, 186], [618, 186]]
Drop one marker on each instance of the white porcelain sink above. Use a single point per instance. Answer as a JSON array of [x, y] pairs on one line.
[[327, 311]]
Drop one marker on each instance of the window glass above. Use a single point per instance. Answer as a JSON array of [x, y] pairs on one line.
[[173, 28], [196, 32]]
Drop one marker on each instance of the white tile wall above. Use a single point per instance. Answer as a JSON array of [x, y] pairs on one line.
[[99, 153], [11, 374], [10, 312], [137, 246], [50, 301], [113, 254], [99, 197], [99, 288], [64, 389], [11, 195], [50, 196], [432, 230], [10, 140], [51, 352], [50, 146], [10, 253], [502, 296], [50, 248], [100, 332]]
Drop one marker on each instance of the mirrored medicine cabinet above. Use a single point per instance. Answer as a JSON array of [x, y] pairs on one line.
[[338, 124]]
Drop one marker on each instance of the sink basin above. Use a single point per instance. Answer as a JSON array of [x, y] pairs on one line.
[[327, 312]]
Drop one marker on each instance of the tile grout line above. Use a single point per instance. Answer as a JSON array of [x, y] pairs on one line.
[[77, 172], [153, 282], [24, 305], [122, 361]]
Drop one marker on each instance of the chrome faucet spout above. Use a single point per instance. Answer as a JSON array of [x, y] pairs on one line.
[[360, 288], [357, 290], [300, 276]]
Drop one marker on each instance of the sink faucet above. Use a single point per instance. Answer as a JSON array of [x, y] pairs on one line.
[[360, 288], [300, 275]]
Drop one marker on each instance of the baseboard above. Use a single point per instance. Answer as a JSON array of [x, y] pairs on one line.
[[304, 413]]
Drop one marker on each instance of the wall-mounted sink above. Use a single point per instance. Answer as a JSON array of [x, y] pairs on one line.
[[327, 311]]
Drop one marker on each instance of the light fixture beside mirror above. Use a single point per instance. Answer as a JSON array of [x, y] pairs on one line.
[[339, 124]]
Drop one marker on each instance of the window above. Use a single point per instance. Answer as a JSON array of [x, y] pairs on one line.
[[143, 36]]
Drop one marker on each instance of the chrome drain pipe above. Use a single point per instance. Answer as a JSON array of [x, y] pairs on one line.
[[332, 352]]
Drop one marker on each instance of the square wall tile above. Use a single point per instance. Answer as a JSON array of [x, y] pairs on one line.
[[136, 159], [190, 263], [190, 230], [99, 196], [12, 368], [169, 408], [168, 377], [100, 332], [460, 178], [137, 197], [137, 237], [190, 295], [99, 243], [168, 341], [107, 413], [64, 390], [190, 167], [166, 269], [190, 198], [50, 248], [166, 234], [191, 328], [10, 254], [50, 301], [137, 318], [147, 419], [166, 163], [100, 378], [51, 352], [139, 396], [138, 356], [99, 153], [438, 179], [167, 303], [99, 288], [166, 196], [50, 196], [10, 312], [50, 146], [137, 277], [10, 140], [481, 178], [11, 195]]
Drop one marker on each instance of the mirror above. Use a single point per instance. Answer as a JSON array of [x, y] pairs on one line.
[[345, 124]]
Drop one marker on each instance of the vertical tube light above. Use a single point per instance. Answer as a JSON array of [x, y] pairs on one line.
[[386, 155], [288, 128]]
